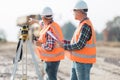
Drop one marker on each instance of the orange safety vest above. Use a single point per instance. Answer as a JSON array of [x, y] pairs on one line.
[[57, 53], [88, 53]]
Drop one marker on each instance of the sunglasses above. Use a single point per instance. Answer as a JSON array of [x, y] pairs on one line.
[[48, 16]]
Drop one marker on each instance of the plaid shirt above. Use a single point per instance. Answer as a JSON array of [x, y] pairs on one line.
[[83, 38], [49, 45]]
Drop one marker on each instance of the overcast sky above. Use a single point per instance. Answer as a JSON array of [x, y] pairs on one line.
[[100, 11]]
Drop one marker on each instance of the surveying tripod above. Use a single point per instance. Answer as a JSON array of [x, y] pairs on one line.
[[25, 39]]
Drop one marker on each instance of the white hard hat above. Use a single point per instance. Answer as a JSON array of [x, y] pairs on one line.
[[81, 5], [46, 11]]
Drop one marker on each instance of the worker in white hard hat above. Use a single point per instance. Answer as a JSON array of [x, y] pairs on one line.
[[82, 49], [48, 50]]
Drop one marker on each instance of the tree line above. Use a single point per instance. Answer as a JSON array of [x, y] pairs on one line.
[[110, 33], [112, 30]]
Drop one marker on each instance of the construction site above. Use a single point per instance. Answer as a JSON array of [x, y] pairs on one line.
[[35, 46], [107, 66]]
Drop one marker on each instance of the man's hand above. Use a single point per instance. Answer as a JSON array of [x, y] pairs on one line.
[[61, 44], [32, 21], [38, 43]]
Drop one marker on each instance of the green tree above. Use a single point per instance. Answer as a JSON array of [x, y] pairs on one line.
[[2, 36], [99, 36], [68, 30], [113, 29]]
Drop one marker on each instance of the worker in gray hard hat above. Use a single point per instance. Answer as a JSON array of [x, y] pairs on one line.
[[82, 46]]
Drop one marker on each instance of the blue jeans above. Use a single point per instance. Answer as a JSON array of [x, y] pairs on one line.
[[80, 71], [51, 69]]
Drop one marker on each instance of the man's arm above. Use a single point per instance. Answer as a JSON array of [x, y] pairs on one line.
[[83, 38]]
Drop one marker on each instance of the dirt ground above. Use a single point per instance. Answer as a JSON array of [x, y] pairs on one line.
[[107, 66]]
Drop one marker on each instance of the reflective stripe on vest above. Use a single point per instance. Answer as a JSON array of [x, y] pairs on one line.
[[83, 55], [90, 45], [52, 55]]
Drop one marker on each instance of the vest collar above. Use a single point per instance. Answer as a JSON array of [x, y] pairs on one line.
[[48, 23], [86, 18]]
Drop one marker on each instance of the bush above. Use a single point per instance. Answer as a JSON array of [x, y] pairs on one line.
[[2, 36]]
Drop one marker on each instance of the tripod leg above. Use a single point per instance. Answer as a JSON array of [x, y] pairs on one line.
[[34, 60], [24, 61], [21, 52], [16, 61]]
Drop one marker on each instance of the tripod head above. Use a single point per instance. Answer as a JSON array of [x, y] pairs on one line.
[[29, 28], [24, 30], [22, 22]]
